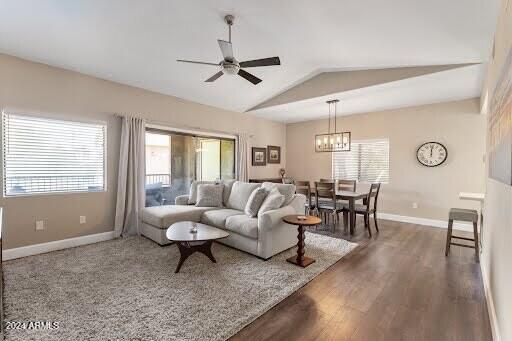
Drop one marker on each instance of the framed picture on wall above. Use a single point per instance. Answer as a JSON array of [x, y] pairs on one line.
[[273, 154], [259, 156], [500, 126]]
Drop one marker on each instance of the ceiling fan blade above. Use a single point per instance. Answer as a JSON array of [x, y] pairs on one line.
[[194, 62], [261, 62], [214, 77], [227, 49], [251, 78]]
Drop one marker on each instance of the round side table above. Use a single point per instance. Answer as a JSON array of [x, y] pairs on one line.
[[300, 259]]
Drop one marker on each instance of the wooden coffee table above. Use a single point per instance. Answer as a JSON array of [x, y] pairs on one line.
[[300, 259], [189, 243]]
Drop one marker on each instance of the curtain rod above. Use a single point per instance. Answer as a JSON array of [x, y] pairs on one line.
[[167, 124]]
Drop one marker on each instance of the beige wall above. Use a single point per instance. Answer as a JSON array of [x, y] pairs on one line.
[[41, 89], [458, 125], [497, 235]]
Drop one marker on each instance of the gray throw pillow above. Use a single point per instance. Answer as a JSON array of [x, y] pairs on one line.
[[193, 191], [273, 201], [254, 203], [209, 195], [288, 190]]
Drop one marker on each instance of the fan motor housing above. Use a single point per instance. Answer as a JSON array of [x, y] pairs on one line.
[[230, 68]]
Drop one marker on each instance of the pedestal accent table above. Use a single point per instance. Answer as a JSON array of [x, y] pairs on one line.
[[300, 259]]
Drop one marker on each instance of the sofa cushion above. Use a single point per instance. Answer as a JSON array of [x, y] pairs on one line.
[[244, 225], [240, 193], [209, 195], [273, 201], [255, 200], [218, 217], [288, 190], [166, 215], [228, 184], [193, 191]]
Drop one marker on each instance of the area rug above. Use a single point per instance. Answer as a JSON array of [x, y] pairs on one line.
[[126, 289]]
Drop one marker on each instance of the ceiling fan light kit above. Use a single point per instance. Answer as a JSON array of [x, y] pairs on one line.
[[229, 65], [333, 141]]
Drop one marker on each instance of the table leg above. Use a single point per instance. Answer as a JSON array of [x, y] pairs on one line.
[[186, 250], [352, 212], [300, 259]]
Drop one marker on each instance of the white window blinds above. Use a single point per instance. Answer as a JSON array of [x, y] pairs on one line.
[[43, 155], [367, 161]]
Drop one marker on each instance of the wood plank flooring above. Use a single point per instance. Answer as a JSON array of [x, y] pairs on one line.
[[397, 285]]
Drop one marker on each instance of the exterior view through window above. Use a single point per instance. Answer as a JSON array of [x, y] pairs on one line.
[[174, 160], [44, 155], [367, 161]]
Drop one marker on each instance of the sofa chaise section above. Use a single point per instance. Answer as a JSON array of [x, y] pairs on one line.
[[156, 219]]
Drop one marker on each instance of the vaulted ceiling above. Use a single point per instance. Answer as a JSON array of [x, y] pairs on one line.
[[137, 43]]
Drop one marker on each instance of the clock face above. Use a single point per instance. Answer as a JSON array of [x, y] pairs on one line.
[[432, 154]]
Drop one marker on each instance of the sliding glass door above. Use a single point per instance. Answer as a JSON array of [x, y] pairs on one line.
[[174, 160]]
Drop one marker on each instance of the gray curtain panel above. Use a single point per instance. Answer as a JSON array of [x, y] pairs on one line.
[[130, 181], [243, 174]]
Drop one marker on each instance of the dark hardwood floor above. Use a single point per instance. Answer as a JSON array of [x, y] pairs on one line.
[[396, 286]]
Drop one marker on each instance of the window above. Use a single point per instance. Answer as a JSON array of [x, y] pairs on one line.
[[43, 155], [175, 159], [367, 161]]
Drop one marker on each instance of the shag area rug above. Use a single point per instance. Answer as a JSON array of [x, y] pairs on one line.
[[126, 289]]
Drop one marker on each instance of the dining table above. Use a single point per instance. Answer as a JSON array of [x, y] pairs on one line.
[[351, 197]]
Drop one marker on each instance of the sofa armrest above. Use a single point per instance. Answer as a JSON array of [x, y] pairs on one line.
[[181, 200], [274, 217]]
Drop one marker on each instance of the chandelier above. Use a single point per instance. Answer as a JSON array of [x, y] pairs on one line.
[[332, 141]]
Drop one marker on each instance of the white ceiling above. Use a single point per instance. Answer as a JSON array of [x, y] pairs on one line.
[[137, 43], [452, 85]]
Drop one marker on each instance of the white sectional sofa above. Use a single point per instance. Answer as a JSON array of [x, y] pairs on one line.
[[262, 236]]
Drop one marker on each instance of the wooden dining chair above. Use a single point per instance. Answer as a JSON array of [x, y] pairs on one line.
[[326, 180], [325, 202], [304, 187], [370, 207], [347, 185]]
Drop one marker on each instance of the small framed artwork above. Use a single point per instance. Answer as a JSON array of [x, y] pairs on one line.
[[259, 156], [273, 154]]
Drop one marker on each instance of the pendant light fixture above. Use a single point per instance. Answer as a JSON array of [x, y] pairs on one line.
[[332, 141]]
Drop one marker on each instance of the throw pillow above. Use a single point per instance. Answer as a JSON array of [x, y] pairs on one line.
[[240, 193], [288, 190], [255, 201], [209, 195], [193, 190], [273, 201]]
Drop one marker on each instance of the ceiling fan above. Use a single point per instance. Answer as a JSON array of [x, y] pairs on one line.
[[229, 65]]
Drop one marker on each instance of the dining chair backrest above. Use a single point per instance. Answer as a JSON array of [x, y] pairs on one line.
[[372, 197], [347, 185], [326, 190], [326, 180], [303, 187]]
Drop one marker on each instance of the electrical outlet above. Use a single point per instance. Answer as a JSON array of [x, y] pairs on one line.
[[414, 205], [82, 219], [39, 225]]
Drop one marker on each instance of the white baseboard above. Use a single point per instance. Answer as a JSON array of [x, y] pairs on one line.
[[425, 221], [36, 249], [490, 304]]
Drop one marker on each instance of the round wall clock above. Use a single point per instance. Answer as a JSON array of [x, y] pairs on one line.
[[431, 154]]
